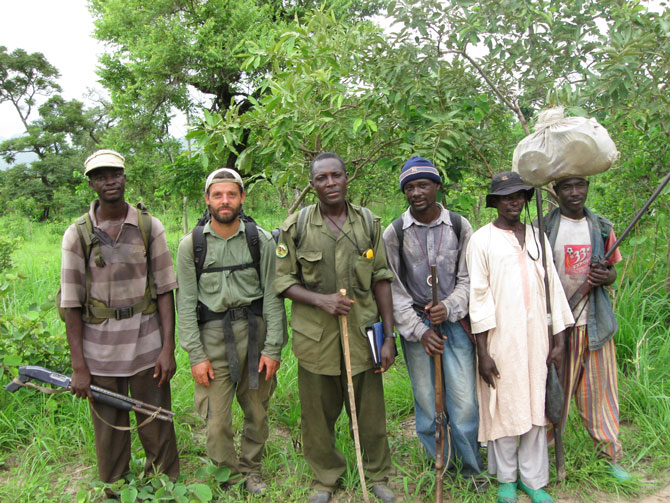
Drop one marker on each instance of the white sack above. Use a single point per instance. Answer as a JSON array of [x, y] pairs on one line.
[[561, 147]]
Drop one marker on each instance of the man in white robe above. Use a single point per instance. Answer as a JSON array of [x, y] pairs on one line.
[[508, 314]]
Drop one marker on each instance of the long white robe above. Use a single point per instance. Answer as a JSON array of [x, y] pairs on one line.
[[507, 299]]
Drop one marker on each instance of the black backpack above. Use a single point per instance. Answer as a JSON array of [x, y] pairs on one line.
[[456, 223], [200, 246]]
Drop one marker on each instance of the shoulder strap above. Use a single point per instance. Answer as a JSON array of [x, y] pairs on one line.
[[367, 222], [199, 250], [456, 223], [300, 226], [251, 232], [144, 222], [400, 233]]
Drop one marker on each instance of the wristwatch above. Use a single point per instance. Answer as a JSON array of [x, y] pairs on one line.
[[392, 335]]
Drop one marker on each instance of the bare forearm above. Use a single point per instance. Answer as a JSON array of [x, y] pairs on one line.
[[165, 303], [74, 329]]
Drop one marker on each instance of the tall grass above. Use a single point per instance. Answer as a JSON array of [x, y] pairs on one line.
[[46, 442]]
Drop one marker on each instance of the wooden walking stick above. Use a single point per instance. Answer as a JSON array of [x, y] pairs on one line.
[[439, 406], [352, 401], [558, 437]]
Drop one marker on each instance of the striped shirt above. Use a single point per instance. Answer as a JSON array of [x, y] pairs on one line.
[[118, 348]]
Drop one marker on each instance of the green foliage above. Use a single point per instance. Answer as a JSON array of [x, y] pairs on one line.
[[56, 139], [26, 338], [153, 487]]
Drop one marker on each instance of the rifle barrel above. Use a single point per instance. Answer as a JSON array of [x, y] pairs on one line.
[[638, 216]]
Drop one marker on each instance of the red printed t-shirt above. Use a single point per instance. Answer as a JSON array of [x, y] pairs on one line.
[[572, 256]]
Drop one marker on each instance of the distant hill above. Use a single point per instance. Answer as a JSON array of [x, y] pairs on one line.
[[20, 159]]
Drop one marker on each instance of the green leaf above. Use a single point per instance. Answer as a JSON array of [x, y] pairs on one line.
[[12, 360], [357, 124], [371, 125], [201, 491], [129, 495]]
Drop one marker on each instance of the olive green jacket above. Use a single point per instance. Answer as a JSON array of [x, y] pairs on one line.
[[325, 264], [223, 290]]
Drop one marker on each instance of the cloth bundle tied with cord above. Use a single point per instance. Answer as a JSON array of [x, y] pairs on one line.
[[562, 147]]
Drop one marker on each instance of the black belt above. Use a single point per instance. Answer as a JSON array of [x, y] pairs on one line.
[[250, 313]]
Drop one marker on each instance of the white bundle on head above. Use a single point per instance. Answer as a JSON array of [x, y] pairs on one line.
[[561, 147]]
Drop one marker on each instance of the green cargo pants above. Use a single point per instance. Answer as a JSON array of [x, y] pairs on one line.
[[321, 400], [214, 403]]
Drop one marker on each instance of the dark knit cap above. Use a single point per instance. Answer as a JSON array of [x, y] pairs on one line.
[[507, 183], [418, 167]]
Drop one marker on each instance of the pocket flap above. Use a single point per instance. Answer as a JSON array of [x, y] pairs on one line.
[[309, 256], [311, 326]]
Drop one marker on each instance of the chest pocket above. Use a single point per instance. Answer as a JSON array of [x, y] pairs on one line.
[[363, 268], [309, 264]]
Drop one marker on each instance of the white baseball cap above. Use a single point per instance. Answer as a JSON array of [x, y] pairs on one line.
[[215, 177], [104, 159]]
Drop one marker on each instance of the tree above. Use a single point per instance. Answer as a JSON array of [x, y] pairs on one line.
[[168, 54], [59, 138], [331, 85]]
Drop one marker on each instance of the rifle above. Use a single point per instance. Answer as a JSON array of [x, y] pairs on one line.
[[585, 288], [439, 405], [556, 418], [121, 402]]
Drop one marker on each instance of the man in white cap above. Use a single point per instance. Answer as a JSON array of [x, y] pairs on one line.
[[231, 325], [116, 289]]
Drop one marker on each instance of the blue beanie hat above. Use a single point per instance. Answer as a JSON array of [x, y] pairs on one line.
[[418, 167]]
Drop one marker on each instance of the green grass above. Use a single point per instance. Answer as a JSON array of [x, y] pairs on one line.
[[46, 441]]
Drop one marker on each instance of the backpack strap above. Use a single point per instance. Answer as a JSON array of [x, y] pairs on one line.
[[96, 311], [251, 233], [144, 222], [367, 223], [300, 226], [88, 240], [199, 250], [457, 224]]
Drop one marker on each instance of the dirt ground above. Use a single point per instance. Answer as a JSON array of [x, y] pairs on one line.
[[661, 496]]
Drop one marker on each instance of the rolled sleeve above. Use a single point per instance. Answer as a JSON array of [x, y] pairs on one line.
[[187, 301], [407, 322], [73, 271], [274, 313], [286, 268]]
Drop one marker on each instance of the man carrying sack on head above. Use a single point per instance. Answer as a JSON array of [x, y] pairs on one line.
[[577, 235]]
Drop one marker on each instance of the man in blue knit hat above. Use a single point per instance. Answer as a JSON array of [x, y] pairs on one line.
[[428, 234]]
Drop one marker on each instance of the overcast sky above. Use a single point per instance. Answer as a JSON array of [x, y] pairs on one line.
[[62, 31]]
